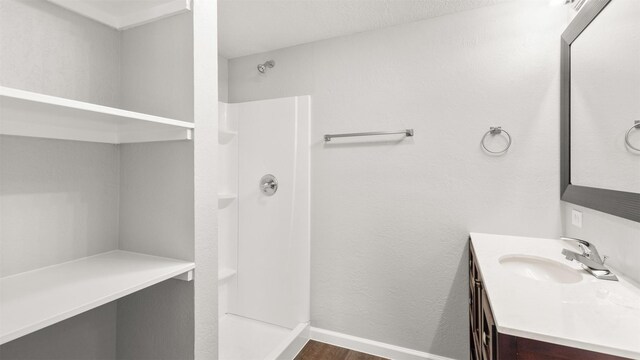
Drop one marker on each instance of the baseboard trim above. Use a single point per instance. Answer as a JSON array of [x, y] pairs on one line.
[[371, 347]]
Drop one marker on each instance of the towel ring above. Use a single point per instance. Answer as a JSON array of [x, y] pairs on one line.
[[636, 125], [495, 130]]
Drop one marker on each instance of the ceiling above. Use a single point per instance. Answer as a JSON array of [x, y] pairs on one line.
[[253, 26], [123, 7]]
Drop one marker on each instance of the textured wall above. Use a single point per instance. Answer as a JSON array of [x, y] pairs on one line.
[[88, 336], [156, 199], [156, 330], [53, 51], [58, 199], [157, 68], [390, 219]]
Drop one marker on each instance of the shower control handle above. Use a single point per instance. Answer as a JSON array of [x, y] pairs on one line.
[[268, 185]]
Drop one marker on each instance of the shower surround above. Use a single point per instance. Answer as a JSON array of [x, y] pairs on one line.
[[264, 287]]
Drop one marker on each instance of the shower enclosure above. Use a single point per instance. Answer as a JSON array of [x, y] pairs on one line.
[[264, 228]]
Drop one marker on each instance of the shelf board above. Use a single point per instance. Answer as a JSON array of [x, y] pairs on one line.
[[35, 299], [226, 196], [25, 113], [226, 273], [224, 136], [225, 199], [122, 15]]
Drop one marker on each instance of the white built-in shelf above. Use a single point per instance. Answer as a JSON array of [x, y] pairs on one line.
[[225, 274], [224, 136], [35, 299], [225, 199], [25, 113], [226, 196], [123, 15]]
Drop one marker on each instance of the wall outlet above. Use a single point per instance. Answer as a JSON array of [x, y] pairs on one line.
[[576, 218]]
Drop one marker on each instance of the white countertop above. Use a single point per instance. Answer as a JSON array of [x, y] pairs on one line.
[[592, 314]]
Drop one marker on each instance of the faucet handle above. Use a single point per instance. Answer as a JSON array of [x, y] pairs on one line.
[[585, 250], [579, 241]]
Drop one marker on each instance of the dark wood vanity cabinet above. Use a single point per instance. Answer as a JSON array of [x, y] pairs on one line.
[[487, 344]]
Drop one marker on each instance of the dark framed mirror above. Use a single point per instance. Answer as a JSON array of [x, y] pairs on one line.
[[600, 102]]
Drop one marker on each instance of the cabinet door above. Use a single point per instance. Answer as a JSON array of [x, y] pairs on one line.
[[475, 290], [487, 331]]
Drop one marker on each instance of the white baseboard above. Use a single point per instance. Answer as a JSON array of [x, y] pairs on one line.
[[371, 347]]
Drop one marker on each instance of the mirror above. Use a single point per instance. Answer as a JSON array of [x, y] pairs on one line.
[[605, 100], [600, 104]]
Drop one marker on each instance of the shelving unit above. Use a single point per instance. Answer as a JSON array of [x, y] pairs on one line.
[[35, 299], [125, 15], [86, 196], [26, 113]]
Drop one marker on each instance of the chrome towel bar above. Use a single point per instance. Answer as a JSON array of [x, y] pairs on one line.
[[406, 132]]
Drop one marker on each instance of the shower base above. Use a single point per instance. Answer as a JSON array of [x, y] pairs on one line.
[[241, 338]]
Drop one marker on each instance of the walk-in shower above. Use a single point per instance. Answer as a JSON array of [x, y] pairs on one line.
[[264, 228]]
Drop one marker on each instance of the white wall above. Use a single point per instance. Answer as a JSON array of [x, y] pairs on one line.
[[50, 50], [390, 219], [90, 335], [615, 237], [58, 199]]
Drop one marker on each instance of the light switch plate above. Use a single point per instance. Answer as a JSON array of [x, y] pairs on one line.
[[576, 218]]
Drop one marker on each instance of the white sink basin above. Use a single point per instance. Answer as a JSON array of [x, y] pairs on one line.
[[540, 269]]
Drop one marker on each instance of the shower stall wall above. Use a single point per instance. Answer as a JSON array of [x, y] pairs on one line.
[[264, 231]]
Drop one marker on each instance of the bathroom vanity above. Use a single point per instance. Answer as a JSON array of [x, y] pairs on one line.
[[526, 301]]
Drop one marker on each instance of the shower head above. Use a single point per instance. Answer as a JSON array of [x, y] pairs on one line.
[[267, 65]]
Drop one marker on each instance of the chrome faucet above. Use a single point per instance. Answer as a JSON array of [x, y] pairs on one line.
[[590, 259]]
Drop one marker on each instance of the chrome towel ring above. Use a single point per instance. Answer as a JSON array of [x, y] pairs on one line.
[[636, 125], [496, 130]]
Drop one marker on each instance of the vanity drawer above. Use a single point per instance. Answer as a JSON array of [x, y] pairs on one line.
[[517, 348]]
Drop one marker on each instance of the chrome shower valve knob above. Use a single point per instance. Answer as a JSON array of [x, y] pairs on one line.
[[268, 184]]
